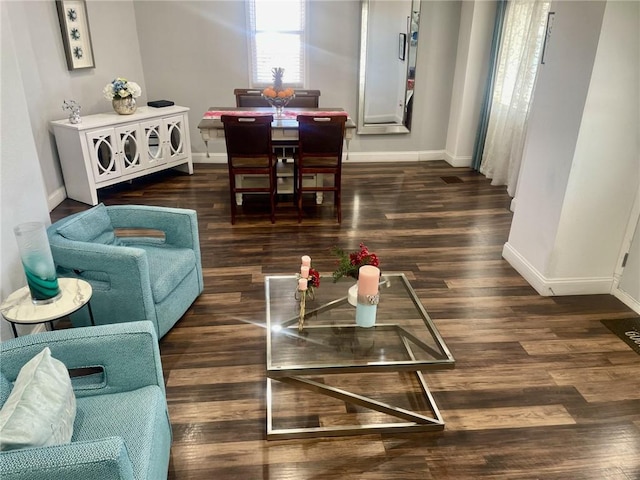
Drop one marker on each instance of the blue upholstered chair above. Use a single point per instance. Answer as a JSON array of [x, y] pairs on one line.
[[121, 428], [133, 278]]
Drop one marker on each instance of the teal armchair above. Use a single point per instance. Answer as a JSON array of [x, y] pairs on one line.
[[133, 278], [121, 429]]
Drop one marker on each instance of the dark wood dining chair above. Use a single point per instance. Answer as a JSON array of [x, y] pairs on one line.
[[320, 140], [250, 153], [253, 98]]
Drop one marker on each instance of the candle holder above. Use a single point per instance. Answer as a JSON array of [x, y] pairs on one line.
[[303, 297], [37, 262]]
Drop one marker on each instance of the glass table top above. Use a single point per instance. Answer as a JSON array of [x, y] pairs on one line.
[[403, 338]]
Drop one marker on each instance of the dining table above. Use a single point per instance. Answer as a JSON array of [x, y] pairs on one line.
[[284, 128], [284, 134]]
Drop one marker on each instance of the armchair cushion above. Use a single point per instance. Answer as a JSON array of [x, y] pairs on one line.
[[133, 416], [41, 408], [168, 266], [93, 225]]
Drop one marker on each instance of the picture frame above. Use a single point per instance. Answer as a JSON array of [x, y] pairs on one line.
[[76, 36], [402, 45]]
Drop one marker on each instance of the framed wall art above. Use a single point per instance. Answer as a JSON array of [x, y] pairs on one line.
[[76, 37]]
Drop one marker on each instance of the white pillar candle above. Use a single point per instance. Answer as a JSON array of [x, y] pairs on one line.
[[304, 271], [306, 260], [302, 284]]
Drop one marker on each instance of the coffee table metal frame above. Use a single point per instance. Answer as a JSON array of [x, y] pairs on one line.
[[295, 374]]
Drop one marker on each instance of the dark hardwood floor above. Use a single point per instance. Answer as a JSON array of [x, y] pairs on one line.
[[541, 389]]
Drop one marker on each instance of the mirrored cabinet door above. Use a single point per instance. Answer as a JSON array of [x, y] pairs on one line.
[[103, 154], [129, 147], [154, 139], [175, 134]]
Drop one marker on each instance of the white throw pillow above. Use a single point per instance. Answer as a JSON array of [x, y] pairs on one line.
[[41, 408]]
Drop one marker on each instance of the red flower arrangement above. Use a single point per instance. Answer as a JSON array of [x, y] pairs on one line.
[[349, 263], [314, 278]]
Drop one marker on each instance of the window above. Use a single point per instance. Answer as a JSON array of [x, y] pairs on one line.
[[277, 39]]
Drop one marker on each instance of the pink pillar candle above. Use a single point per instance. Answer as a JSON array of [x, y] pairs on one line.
[[302, 284], [304, 271], [368, 280], [306, 261]]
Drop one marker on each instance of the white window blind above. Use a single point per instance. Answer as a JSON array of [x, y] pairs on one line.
[[276, 31]]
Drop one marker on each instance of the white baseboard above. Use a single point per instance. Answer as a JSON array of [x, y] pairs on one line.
[[212, 158], [627, 299], [431, 155], [353, 157], [56, 198], [382, 157], [555, 286], [457, 161]]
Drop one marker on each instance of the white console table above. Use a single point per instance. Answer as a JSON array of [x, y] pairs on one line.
[[109, 148]]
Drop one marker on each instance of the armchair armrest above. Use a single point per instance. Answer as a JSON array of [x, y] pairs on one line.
[[127, 352], [105, 459], [179, 225]]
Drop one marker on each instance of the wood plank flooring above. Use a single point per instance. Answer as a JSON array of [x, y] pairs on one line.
[[541, 389]]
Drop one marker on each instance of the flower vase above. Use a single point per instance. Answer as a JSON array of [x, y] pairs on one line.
[[37, 262], [124, 106]]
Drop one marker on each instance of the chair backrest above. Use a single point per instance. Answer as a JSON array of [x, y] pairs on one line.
[[248, 137], [321, 135], [253, 98]]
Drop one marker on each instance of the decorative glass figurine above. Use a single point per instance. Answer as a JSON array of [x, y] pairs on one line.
[[74, 110]]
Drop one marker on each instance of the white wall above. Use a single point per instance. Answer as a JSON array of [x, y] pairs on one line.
[[472, 61], [580, 165], [196, 53], [606, 156], [47, 81], [22, 192]]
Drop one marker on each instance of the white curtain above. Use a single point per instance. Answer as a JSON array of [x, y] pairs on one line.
[[518, 60]]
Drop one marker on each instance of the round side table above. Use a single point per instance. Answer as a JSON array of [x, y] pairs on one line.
[[18, 308]]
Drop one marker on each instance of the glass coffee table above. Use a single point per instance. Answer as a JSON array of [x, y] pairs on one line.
[[333, 357]]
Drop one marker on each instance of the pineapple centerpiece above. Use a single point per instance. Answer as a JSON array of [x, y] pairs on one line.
[[277, 96]]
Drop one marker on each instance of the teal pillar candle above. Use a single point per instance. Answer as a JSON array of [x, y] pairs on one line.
[[366, 314], [37, 261]]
